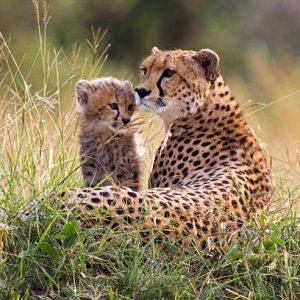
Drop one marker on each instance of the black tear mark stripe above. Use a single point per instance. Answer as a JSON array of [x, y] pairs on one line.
[[118, 112], [158, 84], [117, 116]]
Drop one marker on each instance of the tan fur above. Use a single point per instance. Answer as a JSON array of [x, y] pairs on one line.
[[108, 150], [210, 177]]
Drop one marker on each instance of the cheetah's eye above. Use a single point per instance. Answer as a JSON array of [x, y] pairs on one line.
[[143, 70], [130, 107], [168, 73], [113, 106]]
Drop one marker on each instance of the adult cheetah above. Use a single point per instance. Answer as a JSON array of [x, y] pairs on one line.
[[210, 175]]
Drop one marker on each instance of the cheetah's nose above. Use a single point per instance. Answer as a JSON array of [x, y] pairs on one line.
[[125, 121], [142, 92]]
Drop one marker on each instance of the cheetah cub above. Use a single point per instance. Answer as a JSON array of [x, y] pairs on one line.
[[108, 149]]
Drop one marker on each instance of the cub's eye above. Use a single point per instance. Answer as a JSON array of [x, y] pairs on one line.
[[130, 107], [168, 73], [113, 106], [143, 70]]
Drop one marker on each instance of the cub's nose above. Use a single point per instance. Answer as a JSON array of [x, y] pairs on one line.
[[142, 92], [125, 121]]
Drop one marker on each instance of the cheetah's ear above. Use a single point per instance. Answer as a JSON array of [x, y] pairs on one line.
[[209, 60], [154, 50], [82, 90]]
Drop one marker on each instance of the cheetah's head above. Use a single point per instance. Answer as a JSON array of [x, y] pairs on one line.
[[105, 102], [174, 84]]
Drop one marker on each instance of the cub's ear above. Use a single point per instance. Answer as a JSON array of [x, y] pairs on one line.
[[154, 50], [82, 91], [128, 85], [209, 60]]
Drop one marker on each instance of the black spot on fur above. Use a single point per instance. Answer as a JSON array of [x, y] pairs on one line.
[[131, 194], [95, 200]]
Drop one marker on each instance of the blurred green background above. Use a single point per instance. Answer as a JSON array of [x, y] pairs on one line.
[[258, 42], [233, 28]]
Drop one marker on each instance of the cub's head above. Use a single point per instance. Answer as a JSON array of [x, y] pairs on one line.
[[174, 84], [105, 102]]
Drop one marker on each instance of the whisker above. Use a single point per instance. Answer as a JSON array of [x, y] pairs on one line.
[[153, 99], [158, 102]]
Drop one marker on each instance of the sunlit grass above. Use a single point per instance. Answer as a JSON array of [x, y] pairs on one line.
[[54, 257]]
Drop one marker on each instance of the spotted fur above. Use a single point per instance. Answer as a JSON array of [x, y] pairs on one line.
[[210, 176], [107, 145]]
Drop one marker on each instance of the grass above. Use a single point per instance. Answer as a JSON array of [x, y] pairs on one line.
[[53, 257]]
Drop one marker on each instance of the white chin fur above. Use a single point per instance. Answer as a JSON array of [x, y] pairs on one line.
[[137, 99], [139, 103], [145, 108]]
